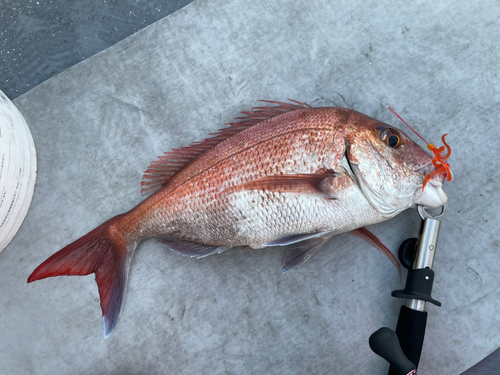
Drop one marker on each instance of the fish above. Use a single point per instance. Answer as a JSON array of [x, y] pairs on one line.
[[283, 174]]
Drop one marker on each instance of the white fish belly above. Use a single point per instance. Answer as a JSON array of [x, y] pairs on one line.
[[254, 218]]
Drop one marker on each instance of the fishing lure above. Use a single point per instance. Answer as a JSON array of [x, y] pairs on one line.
[[440, 161]]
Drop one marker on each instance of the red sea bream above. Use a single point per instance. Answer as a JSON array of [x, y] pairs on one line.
[[284, 175]]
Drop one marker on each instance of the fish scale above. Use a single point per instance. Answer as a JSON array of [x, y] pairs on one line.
[[287, 175], [179, 212], [263, 156]]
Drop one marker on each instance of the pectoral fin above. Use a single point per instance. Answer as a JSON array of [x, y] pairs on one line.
[[312, 184]]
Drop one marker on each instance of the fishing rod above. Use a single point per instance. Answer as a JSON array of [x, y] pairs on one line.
[[402, 349]]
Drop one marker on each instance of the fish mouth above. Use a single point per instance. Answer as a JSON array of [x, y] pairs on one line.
[[433, 195]]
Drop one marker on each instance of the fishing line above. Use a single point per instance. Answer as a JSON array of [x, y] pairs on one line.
[[326, 44], [439, 161], [404, 122], [330, 51]]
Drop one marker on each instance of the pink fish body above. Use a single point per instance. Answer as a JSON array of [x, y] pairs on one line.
[[288, 175]]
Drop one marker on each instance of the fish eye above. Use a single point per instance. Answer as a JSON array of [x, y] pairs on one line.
[[391, 137], [393, 141]]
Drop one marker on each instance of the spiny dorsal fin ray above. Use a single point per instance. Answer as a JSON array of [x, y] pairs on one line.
[[160, 171]]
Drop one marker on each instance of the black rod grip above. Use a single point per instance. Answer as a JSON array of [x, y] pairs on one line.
[[411, 331], [384, 342]]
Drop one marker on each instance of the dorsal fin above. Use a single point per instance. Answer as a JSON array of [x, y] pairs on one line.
[[167, 165]]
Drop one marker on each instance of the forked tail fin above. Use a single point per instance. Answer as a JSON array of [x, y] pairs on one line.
[[105, 252]]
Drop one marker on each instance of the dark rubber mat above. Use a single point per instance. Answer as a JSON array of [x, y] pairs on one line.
[[40, 38]]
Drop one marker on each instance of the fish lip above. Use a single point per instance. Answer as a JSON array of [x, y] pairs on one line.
[[435, 183], [433, 195]]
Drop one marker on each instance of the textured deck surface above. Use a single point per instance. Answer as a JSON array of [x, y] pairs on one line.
[[39, 39], [98, 125]]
